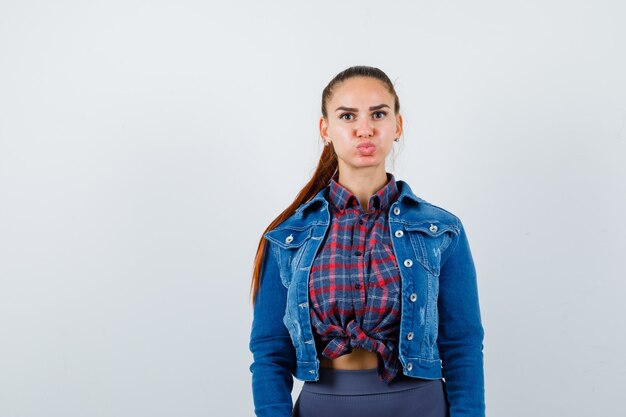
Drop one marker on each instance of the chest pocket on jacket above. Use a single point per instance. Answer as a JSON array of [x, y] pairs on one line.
[[429, 240], [291, 245]]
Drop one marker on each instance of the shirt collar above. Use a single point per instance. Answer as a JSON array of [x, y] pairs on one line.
[[343, 198]]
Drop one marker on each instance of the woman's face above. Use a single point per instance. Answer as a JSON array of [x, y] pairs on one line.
[[361, 111]]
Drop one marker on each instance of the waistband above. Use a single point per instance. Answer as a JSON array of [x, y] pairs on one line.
[[360, 382]]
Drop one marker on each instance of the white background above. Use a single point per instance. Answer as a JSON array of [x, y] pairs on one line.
[[145, 145]]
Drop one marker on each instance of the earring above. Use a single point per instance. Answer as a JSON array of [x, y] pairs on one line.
[[326, 143], [397, 140]]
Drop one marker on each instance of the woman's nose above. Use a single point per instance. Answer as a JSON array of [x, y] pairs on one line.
[[364, 128]]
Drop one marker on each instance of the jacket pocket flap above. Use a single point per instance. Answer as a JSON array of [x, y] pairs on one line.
[[288, 238], [432, 228]]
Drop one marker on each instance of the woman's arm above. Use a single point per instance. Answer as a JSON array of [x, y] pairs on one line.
[[460, 334], [270, 344]]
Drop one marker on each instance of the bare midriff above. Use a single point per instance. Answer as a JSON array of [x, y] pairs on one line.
[[357, 359]]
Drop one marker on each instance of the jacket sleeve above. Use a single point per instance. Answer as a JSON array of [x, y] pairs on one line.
[[270, 343], [460, 332]]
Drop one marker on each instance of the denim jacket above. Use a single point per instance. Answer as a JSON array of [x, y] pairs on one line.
[[441, 333]]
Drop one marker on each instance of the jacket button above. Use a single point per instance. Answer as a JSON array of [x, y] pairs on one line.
[[413, 297], [399, 233], [409, 335], [433, 228], [409, 366], [396, 210], [357, 286], [289, 239], [408, 263]]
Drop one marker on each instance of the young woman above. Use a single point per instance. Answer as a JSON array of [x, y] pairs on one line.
[[361, 289]]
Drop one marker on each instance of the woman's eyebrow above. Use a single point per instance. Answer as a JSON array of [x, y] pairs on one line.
[[380, 106]]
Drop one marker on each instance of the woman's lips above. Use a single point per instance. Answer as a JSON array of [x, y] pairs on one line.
[[366, 148]]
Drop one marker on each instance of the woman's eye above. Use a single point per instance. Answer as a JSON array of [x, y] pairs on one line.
[[382, 114], [345, 114]]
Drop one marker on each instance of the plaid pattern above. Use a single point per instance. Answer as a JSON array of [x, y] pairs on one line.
[[354, 286]]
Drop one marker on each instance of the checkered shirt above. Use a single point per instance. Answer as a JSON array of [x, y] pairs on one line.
[[354, 286]]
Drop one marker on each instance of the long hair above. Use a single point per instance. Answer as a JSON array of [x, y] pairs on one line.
[[326, 167]]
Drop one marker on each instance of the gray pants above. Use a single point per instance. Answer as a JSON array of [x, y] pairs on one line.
[[360, 393]]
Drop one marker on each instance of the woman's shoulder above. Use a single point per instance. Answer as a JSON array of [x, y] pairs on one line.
[[440, 210], [421, 209], [297, 227]]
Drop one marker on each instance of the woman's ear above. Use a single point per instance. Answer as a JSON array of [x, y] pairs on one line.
[[323, 125], [398, 125]]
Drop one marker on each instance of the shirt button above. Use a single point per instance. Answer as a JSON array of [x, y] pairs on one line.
[[353, 336], [409, 335], [399, 233], [409, 366], [396, 210], [360, 221], [408, 263], [413, 297], [357, 286], [358, 253]]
